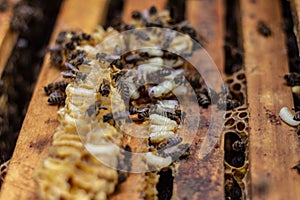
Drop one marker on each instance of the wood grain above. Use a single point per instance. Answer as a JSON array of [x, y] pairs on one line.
[[204, 178], [41, 120], [274, 149], [8, 38]]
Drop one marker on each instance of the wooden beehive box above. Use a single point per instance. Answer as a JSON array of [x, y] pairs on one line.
[[272, 146]]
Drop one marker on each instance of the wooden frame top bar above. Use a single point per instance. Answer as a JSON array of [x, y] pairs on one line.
[[274, 149]]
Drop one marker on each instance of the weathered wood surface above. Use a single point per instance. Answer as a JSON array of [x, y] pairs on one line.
[[274, 149], [204, 178], [8, 38], [41, 120]]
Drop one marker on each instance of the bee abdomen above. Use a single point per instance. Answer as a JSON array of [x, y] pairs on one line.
[[57, 97]]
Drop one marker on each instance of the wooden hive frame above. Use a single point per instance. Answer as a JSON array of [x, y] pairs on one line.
[[273, 149]]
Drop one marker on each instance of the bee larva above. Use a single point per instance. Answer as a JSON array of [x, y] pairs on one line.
[[153, 52], [297, 116], [288, 117], [159, 128], [57, 98], [156, 137], [238, 146], [168, 104], [161, 120], [161, 89], [61, 85], [203, 100], [133, 91], [169, 142], [157, 161], [104, 88]]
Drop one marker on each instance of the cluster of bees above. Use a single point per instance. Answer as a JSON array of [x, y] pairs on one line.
[[148, 80]]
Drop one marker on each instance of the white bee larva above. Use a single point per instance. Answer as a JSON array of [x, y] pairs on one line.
[[286, 116], [153, 52], [108, 149], [133, 91], [78, 91], [169, 104], [145, 69], [157, 137], [159, 128], [162, 89], [155, 61], [161, 120], [157, 161]]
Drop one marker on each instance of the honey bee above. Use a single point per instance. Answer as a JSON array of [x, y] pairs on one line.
[[169, 142], [116, 116], [238, 160], [227, 104], [70, 46], [175, 151], [143, 115], [162, 72], [95, 109], [203, 100], [123, 90], [136, 15], [133, 58], [70, 67], [61, 85], [292, 79], [175, 116], [57, 98], [74, 75], [152, 10], [104, 88], [68, 74], [238, 146], [77, 58]]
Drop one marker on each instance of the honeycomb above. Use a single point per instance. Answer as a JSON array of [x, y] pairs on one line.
[[236, 140]]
